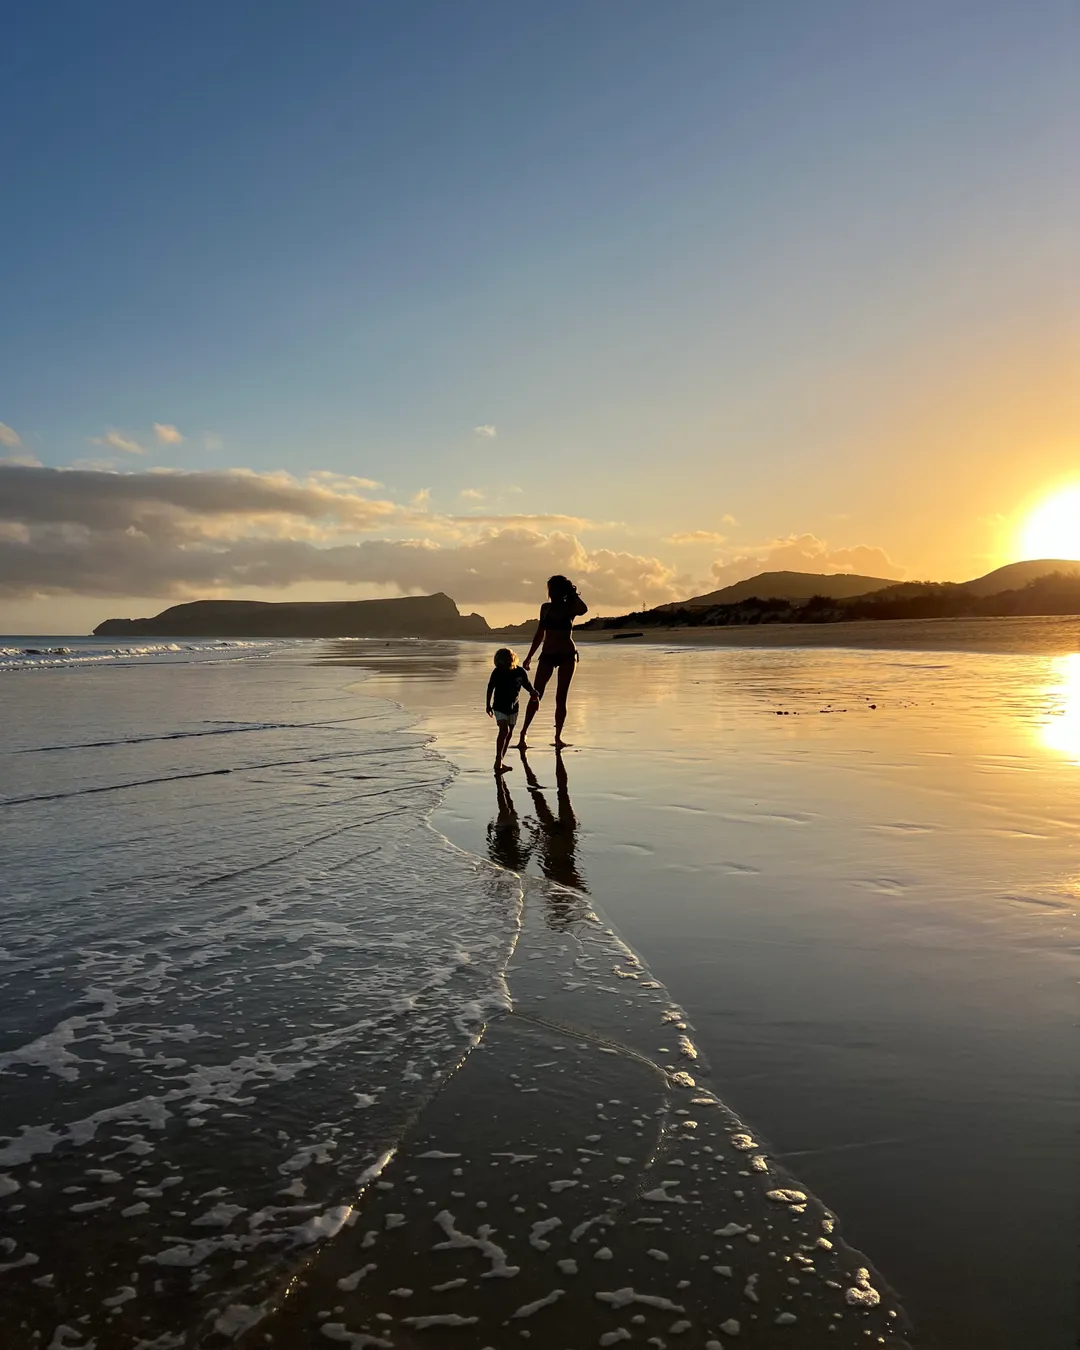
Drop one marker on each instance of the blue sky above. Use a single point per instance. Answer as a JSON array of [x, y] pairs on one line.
[[808, 267]]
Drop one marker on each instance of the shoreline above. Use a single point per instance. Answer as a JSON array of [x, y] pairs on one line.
[[602, 1183]]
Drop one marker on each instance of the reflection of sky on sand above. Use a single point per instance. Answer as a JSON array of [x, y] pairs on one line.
[[857, 871], [1061, 730]]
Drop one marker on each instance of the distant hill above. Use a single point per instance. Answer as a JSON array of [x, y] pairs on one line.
[[1044, 586], [1014, 576], [788, 586], [434, 616]]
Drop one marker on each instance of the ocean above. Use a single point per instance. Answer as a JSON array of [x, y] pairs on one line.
[[309, 1033]]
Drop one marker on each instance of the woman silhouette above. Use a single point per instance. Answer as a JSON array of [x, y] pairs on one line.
[[555, 631]]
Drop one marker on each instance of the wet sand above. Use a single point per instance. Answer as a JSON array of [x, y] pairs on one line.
[[1050, 636], [578, 1183], [856, 872]]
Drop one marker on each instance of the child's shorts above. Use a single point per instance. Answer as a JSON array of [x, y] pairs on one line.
[[506, 719]]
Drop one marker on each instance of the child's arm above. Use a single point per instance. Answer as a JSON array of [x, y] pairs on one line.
[[490, 691]]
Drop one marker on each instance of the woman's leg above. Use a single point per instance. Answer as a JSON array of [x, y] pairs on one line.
[[543, 674], [566, 674]]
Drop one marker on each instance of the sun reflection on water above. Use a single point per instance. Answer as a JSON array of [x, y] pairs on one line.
[[1061, 729]]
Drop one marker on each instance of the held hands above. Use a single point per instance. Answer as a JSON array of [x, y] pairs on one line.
[[525, 663], [489, 712]]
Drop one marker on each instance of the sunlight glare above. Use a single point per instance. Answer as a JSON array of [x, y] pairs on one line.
[[1061, 730], [1053, 528]]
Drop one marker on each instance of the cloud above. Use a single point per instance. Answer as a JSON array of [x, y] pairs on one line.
[[9, 437], [24, 460], [118, 442], [212, 441], [192, 504], [806, 553], [167, 434], [471, 495], [421, 499], [95, 465], [178, 535], [486, 430], [571, 522], [696, 537]]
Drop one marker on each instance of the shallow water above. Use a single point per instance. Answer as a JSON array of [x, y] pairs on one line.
[[246, 997], [858, 873], [233, 963]]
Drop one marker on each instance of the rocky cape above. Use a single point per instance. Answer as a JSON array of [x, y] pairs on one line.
[[1047, 586], [427, 616]]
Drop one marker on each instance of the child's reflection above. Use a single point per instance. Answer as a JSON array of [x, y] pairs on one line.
[[550, 838]]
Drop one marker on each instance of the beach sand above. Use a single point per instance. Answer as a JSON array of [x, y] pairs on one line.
[[856, 871], [1022, 636], [307, 1039]]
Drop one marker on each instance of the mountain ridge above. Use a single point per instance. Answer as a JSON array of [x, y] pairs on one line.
[[435, 616]]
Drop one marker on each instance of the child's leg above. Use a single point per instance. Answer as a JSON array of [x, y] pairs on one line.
[[501, 742]]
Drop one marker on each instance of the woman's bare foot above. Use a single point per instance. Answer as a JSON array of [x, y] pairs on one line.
[[560, 744], [503, 768], [521, 745]]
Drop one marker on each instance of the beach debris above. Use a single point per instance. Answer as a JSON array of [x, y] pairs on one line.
[[784, 1196], [743, 1142], [437, 1320], [527, 1309], [348, 1283], [539, 1231], [355, 1340], [622, 1298], [862, 1294], [482, 1243], [660, 1195]]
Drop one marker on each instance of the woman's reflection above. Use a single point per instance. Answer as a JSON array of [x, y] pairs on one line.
[[550, 838], [555, 835]]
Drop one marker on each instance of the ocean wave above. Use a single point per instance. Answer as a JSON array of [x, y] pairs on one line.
[[49, 655]]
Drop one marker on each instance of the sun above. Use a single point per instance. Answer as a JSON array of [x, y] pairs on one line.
[[1053, 528]]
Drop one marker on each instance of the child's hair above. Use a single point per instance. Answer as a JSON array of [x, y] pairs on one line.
[[505, 659], [560, 587]]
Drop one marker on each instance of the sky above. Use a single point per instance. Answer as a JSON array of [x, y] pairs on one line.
[[336, 300]]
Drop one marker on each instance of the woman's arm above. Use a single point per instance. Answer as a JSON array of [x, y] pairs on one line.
[[579, 605], [538, 637]]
